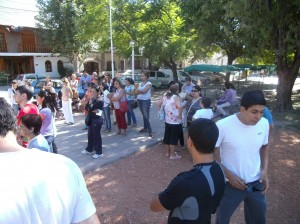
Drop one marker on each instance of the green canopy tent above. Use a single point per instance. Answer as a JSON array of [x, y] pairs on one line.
[[203, 67]]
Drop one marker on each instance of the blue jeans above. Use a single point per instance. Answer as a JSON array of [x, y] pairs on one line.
[[50, 140], [94, 136], [106, 112], [144, 106], [254, 204], [130, 113]]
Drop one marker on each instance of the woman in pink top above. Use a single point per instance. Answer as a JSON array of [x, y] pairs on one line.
[[173, 120], [118, 96]]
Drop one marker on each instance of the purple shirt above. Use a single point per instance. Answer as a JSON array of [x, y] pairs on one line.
[[228, 96]]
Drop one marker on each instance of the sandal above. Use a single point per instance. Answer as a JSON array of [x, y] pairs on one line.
[[175, 157], [167, 154]]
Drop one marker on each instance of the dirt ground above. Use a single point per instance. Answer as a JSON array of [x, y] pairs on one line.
[[122, 191]]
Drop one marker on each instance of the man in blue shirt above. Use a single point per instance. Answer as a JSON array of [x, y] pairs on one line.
[[85, 79]]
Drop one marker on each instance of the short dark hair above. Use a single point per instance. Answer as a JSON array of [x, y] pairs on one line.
[[105, 86], [206, 102], [204, 134], [130, 80], [188, 78], [25, 89], [32, 121], [7, 118], [254, 97]]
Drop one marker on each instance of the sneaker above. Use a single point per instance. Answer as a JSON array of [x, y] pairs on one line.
[[84, 152], [96, 156], [134, 125], [142, 130], [85, 128]]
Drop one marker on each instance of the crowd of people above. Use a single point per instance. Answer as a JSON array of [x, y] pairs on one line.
[[230, 157]]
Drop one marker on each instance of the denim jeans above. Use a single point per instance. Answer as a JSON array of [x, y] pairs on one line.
[[144, 106], [94, 136], [106, 112], [130, 113], [50, 140], [254, 204]]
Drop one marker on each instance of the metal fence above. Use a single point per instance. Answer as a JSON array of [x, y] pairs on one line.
[[214, 91]]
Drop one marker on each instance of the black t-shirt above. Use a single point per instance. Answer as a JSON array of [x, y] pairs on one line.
[[96, 104], [194, 195]]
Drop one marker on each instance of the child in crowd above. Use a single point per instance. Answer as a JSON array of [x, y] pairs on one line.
[[206, 111]]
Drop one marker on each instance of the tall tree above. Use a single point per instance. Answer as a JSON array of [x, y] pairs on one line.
[[58, 22], [273, 25], [214, 27], [153, 24]]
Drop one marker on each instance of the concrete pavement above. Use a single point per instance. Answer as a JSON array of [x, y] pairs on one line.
[[71, 140]]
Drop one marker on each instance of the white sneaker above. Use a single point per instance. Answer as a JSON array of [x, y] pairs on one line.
[[96, 156], [84, 152]]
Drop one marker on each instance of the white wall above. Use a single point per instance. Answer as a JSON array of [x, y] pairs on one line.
[[39, 64]]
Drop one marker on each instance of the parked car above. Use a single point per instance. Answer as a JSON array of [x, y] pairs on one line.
[[180, 74], [137, 79], [30, 76], [38, 85]]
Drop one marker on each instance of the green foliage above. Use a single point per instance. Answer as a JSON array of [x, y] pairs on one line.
[[59, 23]]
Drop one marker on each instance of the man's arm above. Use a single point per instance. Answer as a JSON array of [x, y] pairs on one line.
[[91, 220], [156, 206], [233, 179], [264, 158]]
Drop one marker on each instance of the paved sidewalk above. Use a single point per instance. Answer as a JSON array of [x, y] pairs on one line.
[[71, 140]]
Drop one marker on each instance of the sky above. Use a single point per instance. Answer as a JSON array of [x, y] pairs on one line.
[[18, 12]]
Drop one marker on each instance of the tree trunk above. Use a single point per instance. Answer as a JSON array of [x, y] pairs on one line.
[[285, 85], [231, 58], [173, 66]]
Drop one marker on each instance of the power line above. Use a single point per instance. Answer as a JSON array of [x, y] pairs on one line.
[[28, 10], [20, 2]]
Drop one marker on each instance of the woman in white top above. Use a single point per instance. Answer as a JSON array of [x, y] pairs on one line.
[[66, 99], [144, 101], [173, 120], [73, 82], [11, 99], [106, 107]]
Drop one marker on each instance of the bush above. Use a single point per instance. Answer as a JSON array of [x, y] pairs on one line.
[[4, 78], [66, 70]]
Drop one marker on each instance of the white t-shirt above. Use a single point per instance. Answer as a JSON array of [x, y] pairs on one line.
[[40, 188], [144, 96], [204, 113], [106, 100], [240, 146]]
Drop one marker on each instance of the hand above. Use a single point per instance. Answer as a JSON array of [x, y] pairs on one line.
[[264, 179], [236, 182]]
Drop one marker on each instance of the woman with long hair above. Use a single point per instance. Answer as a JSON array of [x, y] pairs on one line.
[[47, 113], [172, 107], [67, 101], [130, 94], [118, 96]]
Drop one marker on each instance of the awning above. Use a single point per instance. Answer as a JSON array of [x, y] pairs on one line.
[[203, 67]]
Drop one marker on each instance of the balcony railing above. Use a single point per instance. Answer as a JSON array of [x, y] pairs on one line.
[[33, 48], [3, 47]]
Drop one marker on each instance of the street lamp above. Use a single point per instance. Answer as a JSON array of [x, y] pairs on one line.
[[132, 58], [141, 50]]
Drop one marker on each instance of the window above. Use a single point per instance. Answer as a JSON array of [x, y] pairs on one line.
[[48, 66], [160, 75], [152, 74], [60, 65]]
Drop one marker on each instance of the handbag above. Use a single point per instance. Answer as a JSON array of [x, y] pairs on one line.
[[161, 113], [134, 104], [124, 107]]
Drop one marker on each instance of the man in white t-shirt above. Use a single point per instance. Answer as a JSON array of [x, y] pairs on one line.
[[206, 111], [242, 151], [39, 187]]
